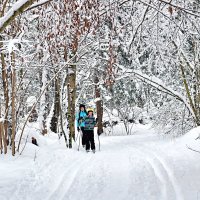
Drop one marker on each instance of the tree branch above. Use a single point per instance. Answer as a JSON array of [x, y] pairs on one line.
[[158, 83], [3, 9], [35, 5], [184, 57], [18, 8], [140, 24], [186, 10]]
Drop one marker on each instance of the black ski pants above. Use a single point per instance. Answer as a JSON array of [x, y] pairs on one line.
[[90, 140], [83, 136]]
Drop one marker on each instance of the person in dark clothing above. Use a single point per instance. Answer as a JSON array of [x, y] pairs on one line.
[[81, 122], [90, 123]]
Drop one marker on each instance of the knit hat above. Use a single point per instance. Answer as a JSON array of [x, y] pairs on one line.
[[90, 110], [81, 106]]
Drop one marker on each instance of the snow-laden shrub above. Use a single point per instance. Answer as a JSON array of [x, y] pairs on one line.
[[172, 117]]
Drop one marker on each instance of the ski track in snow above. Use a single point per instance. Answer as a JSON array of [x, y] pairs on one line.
[[170, 175], [163, 172], [68, 178], [157, 171], [123, 170], [99, 178]]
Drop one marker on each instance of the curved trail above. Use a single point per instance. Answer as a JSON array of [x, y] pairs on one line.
[[133, 167]]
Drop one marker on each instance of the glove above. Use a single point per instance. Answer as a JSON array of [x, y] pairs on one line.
[[99, 132], [78, 129], [80, 119]]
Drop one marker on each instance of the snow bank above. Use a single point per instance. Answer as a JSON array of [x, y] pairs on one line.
[[141, 166], [191, 140]]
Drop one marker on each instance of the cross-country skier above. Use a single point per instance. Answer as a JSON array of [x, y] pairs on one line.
[[90, 123], [81, 123]]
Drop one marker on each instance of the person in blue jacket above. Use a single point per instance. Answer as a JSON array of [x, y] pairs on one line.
[[81, 122]]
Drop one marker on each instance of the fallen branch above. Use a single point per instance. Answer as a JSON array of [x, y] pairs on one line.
[[192, 149]]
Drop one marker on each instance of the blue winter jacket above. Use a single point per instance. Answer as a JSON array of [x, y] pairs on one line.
[[81, 122]]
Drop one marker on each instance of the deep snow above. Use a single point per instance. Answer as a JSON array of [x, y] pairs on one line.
[[144, 166]]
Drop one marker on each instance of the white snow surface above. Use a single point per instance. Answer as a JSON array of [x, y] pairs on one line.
[[142, 166]]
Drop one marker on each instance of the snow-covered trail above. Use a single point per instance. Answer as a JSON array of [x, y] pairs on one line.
[[138, 167]]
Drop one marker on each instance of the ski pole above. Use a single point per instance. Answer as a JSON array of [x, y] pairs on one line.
[[99, 143], [76, 137], [79, 141]]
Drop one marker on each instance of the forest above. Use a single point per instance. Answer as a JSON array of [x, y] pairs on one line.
[[135, 59], [99, 99]]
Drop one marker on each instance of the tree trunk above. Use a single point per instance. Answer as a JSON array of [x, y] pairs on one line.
[[43, 102], [196, 92], [13, 76], [71, 88], [56, 111], [197, 120], [99, 107], [61, 125], [6, 99], [21, 110], [1, 139]]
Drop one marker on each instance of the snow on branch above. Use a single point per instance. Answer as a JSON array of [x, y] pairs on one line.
[[106, 9], [173, 5], [184, 56], [140, 24], [186, 10], [37, 4], [157, 83], [14, 11], [153, 7]]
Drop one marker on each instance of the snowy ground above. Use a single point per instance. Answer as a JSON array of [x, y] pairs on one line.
[[143, 166]]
